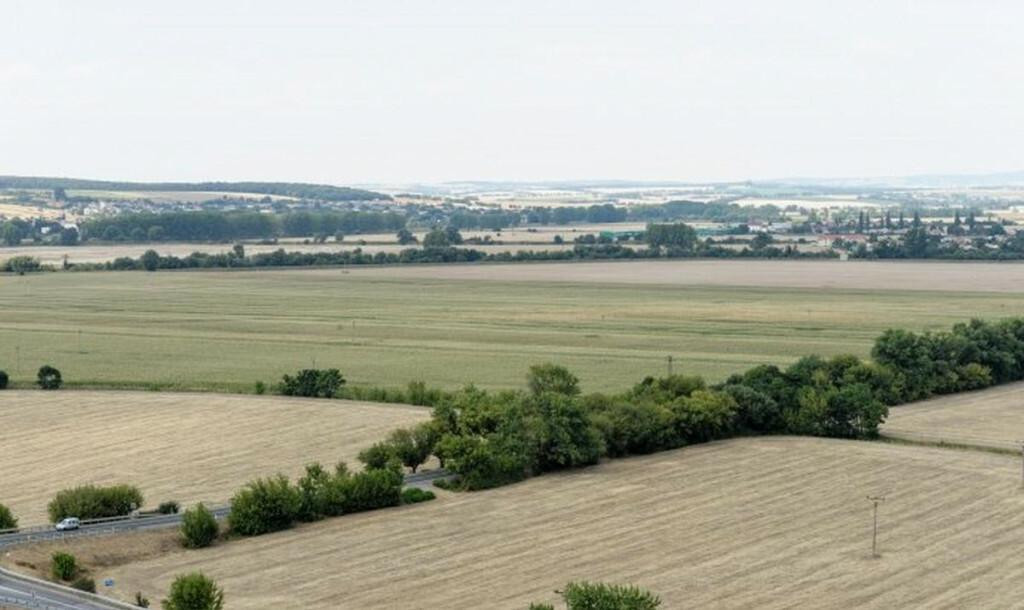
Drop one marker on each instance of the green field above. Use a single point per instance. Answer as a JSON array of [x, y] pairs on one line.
[[226, 330]]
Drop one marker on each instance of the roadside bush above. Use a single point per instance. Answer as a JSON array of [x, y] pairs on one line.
[[92, 502], [371, 489], [4, 379], [140, 600], [414, 495], [198, 527], [413, 447], [194, 592], [633, 429], [168, 508], [600, 596], [264, 506], [316, 383], [63, 566], [703, 416], [7, 519], [48, 378], [260, 388], [84, 583]]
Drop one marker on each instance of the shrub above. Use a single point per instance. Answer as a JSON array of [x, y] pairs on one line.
[[552, 378], [3, 380], [260, 388], [7, 519], [371, 489], [168, 508], [317, 497], [317, 383], [413, 447], [264, 506], [414, 495], [140, 600], [63, 566], [92, 502], [378, 455], [536, 606], [194, 592], [198, 527], [599, 596], [84, 583], [48, 378]]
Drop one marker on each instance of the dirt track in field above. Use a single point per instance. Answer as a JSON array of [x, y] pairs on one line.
[[184, 447], [750, 523]]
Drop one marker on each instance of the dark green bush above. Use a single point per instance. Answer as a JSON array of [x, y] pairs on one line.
[[414, 495], [3, 380], [92, 502], [317, 383], [264, 506], [168, 508], [140, 600], [371, 489], [84, 583], [48, 378], [600, 596], [63, 566], [378, 455], [198, 527], [7, 519], [194, 592]]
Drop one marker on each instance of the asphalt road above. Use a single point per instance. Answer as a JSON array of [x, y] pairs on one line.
[[18, 593]]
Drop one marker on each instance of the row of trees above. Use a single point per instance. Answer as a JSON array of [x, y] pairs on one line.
[[491, 439], [226, 226], [273, 504], [95, 502]]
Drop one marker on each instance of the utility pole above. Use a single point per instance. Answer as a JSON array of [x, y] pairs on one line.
[[670, 366], [875, 500]]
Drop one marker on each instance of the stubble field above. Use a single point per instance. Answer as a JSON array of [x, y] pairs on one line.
[[773, 522], [184, 447], [991, 418]]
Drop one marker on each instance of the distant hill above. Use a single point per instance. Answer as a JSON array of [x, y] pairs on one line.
[[995, 179], [300, 190]]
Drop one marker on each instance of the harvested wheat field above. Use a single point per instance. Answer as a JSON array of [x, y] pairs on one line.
[[847, 275], [184, 447], [749, 523], [989, 418]]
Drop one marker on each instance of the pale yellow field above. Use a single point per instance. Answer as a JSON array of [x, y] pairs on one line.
[[990, 418], [774, 522], [11, 210], [826, 274], [184, 447]]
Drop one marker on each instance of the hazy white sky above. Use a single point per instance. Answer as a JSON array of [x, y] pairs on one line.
[[387, 90]]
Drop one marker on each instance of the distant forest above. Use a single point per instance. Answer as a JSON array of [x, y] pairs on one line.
[[324, 192]]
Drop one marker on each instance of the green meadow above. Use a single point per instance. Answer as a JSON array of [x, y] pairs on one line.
[[227, 330]]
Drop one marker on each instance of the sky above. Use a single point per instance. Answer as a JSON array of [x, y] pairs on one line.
[[390, 91]]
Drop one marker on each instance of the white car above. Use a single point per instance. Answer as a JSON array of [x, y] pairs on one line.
[[71, 523]]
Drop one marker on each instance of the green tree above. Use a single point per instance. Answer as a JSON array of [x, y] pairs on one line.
[[198, 527], [318, 383], [48, 378], [413, 447], [600, 596], [69, 236], [63, 566], [552, 378], [436, 239], [150, 260], [264, 506], [94, 502], [378, 455], [563, 434], [194, 591], [405, 237], [7, 519]]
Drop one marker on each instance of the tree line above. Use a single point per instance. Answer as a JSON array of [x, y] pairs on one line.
[[300, 190]]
